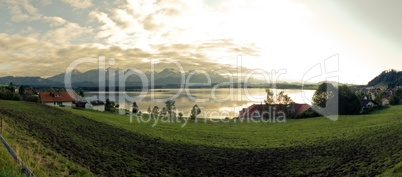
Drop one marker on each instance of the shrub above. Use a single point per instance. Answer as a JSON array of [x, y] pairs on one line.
[[307, 115], [394, 100], [9, 96]]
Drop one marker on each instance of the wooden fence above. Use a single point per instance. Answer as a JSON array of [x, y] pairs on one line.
[[18, 160]]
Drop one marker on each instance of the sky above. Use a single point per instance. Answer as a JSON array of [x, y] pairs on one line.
[[352, 41]]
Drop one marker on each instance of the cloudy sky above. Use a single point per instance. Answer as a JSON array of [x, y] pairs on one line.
[[43, 37]]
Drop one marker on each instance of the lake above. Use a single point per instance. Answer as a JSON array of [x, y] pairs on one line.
[[214, 103]]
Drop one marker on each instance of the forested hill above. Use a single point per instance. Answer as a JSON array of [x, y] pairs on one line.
[[390, 78]]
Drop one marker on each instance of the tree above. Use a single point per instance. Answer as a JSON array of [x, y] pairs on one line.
[[10, 96], [11, 87], [347, 102], [325, 91], [164, 111], [389, 77], [62, 90], [283, 102], [398, 92], [51, 89], [21, 90], [82, 93], [109, 106], [149, 110], [394, 100], [378, 97], [180, 115], [268, 102], [28, 96], [170, 107], [280, 101], [195, 111], [155, 110], [362, 95], [270, 96], [135, 108]]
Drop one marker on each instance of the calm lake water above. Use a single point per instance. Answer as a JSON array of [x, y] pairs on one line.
[[223, 102]]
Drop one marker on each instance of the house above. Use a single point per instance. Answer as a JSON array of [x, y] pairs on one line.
[[369, 103], [95, 105], [253, 111], [57, 98], [256, 111], [31, 93], [80, 103], [300, 108], [366, 104], [385, 99]]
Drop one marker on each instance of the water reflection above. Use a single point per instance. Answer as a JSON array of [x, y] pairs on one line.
[[225, 101]]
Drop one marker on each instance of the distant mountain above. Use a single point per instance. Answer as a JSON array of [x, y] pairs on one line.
[[166, 77], [32, 81], [390, 78]]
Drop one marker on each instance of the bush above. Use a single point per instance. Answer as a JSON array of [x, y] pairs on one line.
[[9, 96], [31, 97], [394, 100], [307, 115]]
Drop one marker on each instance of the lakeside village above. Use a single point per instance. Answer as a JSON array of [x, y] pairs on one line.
[[371, 98]]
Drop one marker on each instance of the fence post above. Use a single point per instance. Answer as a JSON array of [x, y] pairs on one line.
[[2, 125], [18, 160]]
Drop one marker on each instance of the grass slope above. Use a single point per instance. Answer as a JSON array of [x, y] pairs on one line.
[[247, 134], [109, 145], [41, 160]]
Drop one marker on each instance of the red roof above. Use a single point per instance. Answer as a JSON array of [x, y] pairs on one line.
[[52, 97], [248, 112], [300, 108], [386, 97]]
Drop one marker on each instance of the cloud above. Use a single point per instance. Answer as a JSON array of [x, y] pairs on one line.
[[46, 2], [61, 31], [144, 23], [21, 11], [27, 56], [66, 33], [54, 21], [131, 32], [79, 4]]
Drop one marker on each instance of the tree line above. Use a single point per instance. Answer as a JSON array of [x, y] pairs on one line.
[[346, 101], [168, 110]]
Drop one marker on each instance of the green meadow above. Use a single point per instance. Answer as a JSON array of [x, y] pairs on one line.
[[86, 143]]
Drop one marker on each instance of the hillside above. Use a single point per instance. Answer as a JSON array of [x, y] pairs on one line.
[[107, 144], [390, 78]]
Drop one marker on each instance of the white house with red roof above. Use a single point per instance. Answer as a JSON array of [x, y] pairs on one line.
[[385, 99], [57, 98]]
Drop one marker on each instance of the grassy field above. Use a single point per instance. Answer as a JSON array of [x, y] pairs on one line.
[[108, 144], [248, 134], [41, 160]]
